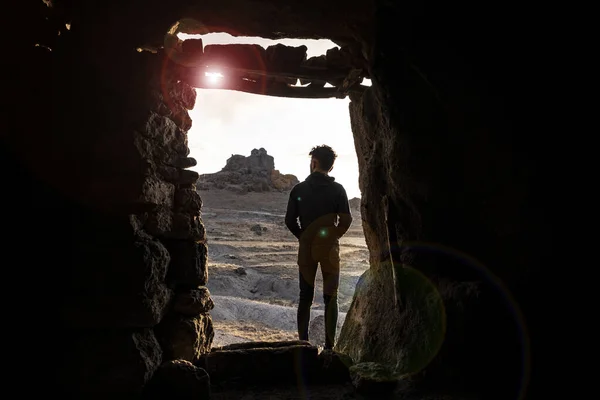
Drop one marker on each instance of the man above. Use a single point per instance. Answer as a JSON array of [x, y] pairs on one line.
[[318, 214]]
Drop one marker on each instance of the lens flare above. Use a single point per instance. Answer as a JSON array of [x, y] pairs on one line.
[[489, 277], [214, 78]]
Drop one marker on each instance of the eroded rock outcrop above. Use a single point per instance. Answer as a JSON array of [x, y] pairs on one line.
[[255, 173], [354, 204]]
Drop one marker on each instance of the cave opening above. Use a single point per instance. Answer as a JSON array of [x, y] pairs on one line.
[[251, 255]]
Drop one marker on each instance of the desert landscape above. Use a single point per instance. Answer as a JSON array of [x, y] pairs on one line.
[[253, 275]]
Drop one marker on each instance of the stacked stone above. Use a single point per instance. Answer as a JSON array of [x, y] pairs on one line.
[[185, 332], [136, 297]]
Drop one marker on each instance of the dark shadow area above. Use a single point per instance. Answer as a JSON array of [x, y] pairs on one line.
[[105, 251]]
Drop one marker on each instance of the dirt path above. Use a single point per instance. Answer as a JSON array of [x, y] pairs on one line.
[[253, 275]]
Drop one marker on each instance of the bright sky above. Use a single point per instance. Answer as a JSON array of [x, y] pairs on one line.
[[227, 122]]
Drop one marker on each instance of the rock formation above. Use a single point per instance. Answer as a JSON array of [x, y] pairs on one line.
[[354, 204], [255, 173]]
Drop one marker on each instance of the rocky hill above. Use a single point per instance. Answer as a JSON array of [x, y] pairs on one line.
[[255, 173]]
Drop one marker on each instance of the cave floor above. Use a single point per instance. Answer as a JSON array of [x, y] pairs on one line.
[[316, 392]]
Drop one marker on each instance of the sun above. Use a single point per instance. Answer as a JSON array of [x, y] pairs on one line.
[[213, 77]]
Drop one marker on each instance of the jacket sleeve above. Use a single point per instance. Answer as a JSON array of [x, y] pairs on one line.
[[344, 214], [291, 215]]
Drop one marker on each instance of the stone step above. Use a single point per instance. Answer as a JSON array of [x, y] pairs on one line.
[[287, 362], [251, 363], [260, 345]]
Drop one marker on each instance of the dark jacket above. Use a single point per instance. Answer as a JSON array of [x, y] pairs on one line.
[[321, 206]]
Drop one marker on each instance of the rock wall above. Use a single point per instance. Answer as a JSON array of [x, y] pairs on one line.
[[122, 260], [255, 173], [434, 137]]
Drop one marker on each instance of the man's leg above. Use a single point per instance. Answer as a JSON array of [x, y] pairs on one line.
[[330, 267], [308, 270]]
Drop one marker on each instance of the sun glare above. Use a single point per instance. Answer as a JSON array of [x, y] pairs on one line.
[[238, 122], [213, 77]]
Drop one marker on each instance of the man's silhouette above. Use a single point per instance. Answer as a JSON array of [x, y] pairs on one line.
[[318, 214]]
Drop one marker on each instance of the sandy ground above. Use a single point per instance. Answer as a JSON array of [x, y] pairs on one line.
[[253, 276]]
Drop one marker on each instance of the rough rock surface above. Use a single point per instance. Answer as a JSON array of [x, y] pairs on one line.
[[188, 268], [255, 173], [374, 380], [123, 284], [180, 380], [334, 366], [461, 227], [185, 338], [193, 302], [88, 372], [405, 339], [127, 195]]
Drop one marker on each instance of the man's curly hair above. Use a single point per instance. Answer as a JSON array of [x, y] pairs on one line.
[[325, 155]]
